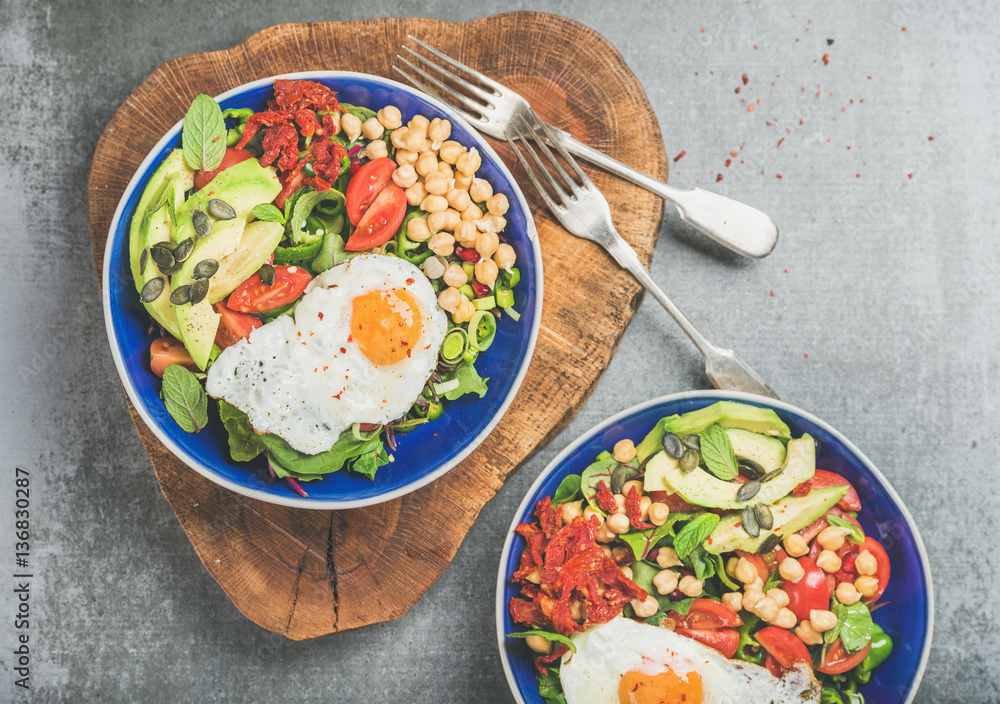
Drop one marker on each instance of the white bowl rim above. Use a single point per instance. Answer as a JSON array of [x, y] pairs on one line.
[[293, 500], [501, 607]]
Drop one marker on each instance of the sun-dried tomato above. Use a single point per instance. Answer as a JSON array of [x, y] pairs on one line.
[[326, 158], [281, 146], [542, 660], [604, 499], [307, 122], [633, 509], [294, 95], [549, 518], [526, 612]]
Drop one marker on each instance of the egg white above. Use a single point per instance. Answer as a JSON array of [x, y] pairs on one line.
[[306, 380], [605, 652]]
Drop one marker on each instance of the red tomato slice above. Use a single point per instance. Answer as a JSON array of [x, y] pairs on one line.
[[252, 296], [674, 502], [166, 351], [823, 479], [366, 184], [706, 614], [289, 184], [725, 640], [772, 665], [811, 592], [837, 660], [381, 220], [758, 562], [232, 156], [233, 326], [882, 570], [783, 646]]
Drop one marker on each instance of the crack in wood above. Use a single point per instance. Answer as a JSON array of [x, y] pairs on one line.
[[331, 570], [295, 592]]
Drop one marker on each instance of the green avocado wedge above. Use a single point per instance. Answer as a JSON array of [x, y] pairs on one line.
[[173, 171], [154, 228]]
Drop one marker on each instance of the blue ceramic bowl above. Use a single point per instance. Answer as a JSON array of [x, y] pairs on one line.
[[907, 612], [424, 454]]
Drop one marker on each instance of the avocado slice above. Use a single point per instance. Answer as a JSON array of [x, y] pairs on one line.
[[258, 241], [791, 514], [243, 186], [765, 451], [703, 489], [173, 169], [155, 227], [728, 414]]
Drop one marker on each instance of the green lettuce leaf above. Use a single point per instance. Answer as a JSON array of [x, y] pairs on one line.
[[469, 382], [244, 443]]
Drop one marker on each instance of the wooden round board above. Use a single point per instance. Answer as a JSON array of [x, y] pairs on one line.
[[307, 573]]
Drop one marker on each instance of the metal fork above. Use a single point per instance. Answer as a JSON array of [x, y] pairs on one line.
[[582, 210], [491, 108]]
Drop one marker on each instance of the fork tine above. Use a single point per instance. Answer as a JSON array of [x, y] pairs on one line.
[[473, 89], [570, 184], [486, 80], [442, 88], [551, 139], [528, 169]]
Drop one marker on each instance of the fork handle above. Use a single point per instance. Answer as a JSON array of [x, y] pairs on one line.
[[724, 369], [735, 225]]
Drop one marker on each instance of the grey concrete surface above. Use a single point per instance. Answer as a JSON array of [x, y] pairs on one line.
[[877, 311]]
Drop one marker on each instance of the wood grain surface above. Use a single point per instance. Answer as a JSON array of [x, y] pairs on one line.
[[306, 573]]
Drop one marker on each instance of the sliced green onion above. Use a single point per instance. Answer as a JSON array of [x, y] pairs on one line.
[[512, 313], [485, 303], [505, 297], [470, 270], [467, 291], [482, 330], [446, 386], [512, 276], [470, 355], [455, 343]]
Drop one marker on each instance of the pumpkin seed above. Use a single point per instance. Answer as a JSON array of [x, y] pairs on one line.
[[184, 249], [143, 258], [764, 517], [751, 469], [202, 225], [750, 524], [266, 274], [205, 269], [690, 461], [163, 257], [770, 543], [748, 490], [673, 446], [166, 244], [617, 479], [180, 295], [693, 441], [152, 290], [220, 209], [198, 291], [770, 475]]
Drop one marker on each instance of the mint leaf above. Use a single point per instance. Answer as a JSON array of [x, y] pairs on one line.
[[185, 398], [554, 637], [856, 536], [568, 489], [642, 542], [244, 443], [203, 136], [694, 533], [854, 625], [702, 563], [717, 451], [268, 213]]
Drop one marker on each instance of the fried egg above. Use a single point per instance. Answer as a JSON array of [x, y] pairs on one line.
[[362, 344], [628, 662]]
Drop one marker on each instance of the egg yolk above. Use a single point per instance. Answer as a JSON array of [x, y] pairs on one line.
[[386, 325], [662, 688]]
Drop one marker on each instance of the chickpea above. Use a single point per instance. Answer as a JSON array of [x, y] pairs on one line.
[[486, 244], [449, 299], [604, 533], [624, 450], [493, 223], [731, 564], [866, 584], [427, 146], [618, 523], [667, 557], [469, 162], [446, 170], [464, 312], [573, 509], [434, 203], [667, 623], [376, 150], [397, 137], [450, 151], [620, 552], [796, 545], [442, 243], [785, 619], [436, 183], [790, 570], [439, 130], [745, 571], [539, 644], [414, 138], [767, 609], [626, 572], [480, 190], [606, 549], [455, 276], [505, 256], [372, 128], [335, 120], [644, 503], [619, 499], [427, 164], [645, 609], [498, 204], [404, 157], [458, 199], [821, 620], [658, 514], [404, 176], [416, 193], [590, 512], [472, 213], [666, 581], [466, 233], [780, 596], [390, 117], [418, 121], [751, 597], [576, 610], [418, 230], [832, 537], [734, 600], [847, 594], [828, 561], [756, 586], [691, 586], [351, 126], [807, 634], [446, 219], [434, 267], [865, 563], [463, 181], [631, 484]]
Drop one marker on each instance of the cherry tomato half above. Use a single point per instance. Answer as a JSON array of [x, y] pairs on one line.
[[772, 666], [725, 640], [783, 646], [837, 661], [811, 592], [290, 182], [166, 351], [233, 326], [380, 221], [673, 501], [232, 157], [706, 614], [365, 185], [252, 296], [882, 569]]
